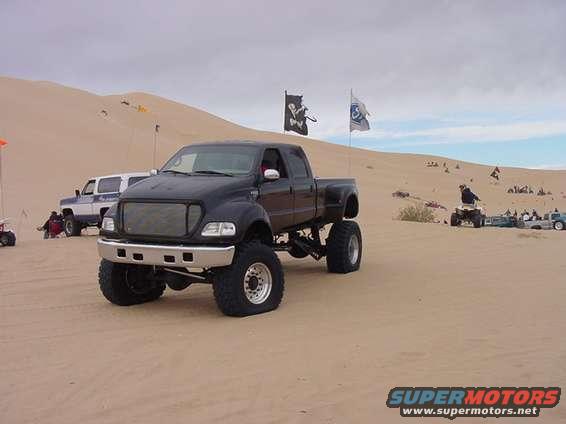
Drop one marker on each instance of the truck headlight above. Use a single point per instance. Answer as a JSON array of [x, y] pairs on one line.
[[108, 224], [219, 229]]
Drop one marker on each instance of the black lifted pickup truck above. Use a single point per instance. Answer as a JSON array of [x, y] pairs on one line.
[[217, 213]]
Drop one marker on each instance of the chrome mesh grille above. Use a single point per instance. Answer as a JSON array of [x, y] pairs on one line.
[[159, 219]]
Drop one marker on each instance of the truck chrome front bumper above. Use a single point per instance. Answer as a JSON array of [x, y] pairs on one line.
[[165, 255]]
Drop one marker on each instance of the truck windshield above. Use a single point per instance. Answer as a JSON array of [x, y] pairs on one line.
[[212, 160]]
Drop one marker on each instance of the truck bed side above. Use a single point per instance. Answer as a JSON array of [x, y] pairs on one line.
[[332, 194]]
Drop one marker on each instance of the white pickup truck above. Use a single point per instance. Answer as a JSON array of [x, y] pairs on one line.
[[551, 220], [87, 207]]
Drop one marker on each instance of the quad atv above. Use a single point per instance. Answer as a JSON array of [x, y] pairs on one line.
[[7, 237], [472, 214]]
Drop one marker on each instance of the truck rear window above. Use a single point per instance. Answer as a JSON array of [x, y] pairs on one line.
[[109, 185]]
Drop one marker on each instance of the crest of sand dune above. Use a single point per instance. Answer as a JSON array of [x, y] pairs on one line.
[[431, 305], [60, 136]]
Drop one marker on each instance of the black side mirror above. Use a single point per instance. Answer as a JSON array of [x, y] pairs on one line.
[[77, 193]]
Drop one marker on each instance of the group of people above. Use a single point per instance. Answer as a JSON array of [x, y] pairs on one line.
[[525, 215], [527, 189]]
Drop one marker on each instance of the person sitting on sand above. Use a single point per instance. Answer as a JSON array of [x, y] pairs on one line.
[[53, 226], [468, 198]]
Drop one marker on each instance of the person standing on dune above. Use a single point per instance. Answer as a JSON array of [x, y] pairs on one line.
[[468, 197]]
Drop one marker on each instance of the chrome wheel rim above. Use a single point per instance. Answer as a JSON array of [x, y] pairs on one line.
[[559, 226], [353, 249], [257, 283], [69, 227]]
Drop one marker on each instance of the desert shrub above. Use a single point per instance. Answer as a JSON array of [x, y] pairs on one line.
[[416, 213]]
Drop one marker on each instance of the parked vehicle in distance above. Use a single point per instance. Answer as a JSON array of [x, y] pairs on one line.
[[551, 220], [7, 237], [87, 207], [558, 220], [217, 213], [501, 221]]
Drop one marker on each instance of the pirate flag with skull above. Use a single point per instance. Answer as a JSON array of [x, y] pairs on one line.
[[295, 115]]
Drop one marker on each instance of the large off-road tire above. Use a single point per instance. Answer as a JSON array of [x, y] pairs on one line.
[[253, 284], [7, 238], [559, 225], [454, 220], [344, 247], [124, 285], [476, 220], [72, 226]]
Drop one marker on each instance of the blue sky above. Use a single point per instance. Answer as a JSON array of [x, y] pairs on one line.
[[533, 140]]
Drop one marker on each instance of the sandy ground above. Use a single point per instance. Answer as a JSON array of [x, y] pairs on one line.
[[330, 353], [431, 306]]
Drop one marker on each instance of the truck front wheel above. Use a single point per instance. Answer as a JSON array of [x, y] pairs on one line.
[[253, 284], [124, 285], [344, 247], [72, 226]]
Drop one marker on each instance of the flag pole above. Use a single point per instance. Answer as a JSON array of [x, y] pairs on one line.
[[284, 105], [155, 143], [2, 186], [350, 135]]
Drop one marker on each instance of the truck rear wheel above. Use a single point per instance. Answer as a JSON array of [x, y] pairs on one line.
[[253, 284], [124, 285], [72, 226], [7, 238], [559, 225], [344, 247]]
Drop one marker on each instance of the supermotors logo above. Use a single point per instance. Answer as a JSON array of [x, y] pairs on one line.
[[454, 402]]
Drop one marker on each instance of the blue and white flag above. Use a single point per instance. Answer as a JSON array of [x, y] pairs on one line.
[[358, 113]]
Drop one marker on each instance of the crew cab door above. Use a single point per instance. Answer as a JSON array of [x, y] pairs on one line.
[[276, 197], [304, 192]]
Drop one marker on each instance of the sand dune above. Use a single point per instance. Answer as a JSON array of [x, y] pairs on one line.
[[431, 306]]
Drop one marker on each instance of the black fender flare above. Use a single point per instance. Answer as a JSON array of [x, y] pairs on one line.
[[341, 201], [244, 214]]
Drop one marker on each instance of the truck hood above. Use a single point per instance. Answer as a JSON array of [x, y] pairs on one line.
[[68, 200], [184, 187]]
